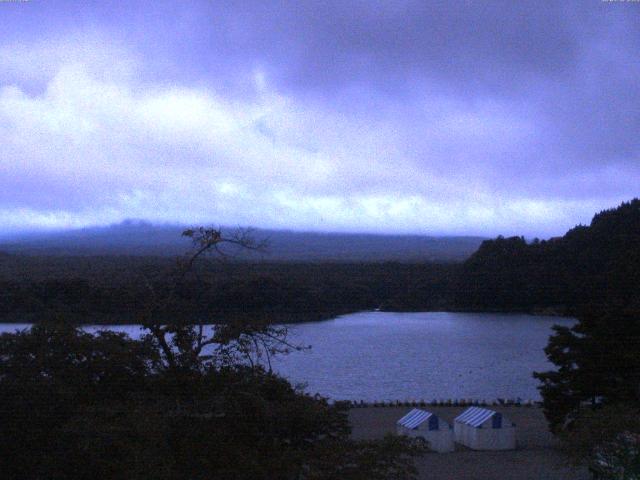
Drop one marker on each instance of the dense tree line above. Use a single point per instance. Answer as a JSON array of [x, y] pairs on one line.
[[592, 396], [111, 290], [590, 266], [598, 362]]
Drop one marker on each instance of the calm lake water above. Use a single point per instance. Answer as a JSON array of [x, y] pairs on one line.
[[398, 356]]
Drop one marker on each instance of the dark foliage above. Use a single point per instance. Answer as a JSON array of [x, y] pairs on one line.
[[598, 363], [52, 377], [82, 406], [184, 402], [595, 427], [112, 289], [590, 267]]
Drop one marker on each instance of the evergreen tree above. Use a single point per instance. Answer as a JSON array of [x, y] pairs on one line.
[[598, 363]]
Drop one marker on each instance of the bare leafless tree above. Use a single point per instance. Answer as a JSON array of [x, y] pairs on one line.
[[189, 344]]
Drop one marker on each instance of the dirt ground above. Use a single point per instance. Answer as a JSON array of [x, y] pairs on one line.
[[536, 457]]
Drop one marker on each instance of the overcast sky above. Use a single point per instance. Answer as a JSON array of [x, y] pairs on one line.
[[436, 117]]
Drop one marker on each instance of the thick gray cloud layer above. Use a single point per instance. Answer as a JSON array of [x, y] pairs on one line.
[[431, 117]]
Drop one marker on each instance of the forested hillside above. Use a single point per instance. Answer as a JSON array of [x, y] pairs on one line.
[[590, 266], [116, 289]]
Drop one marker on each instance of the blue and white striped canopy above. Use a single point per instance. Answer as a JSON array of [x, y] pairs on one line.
[[476, 416], [414, 418]]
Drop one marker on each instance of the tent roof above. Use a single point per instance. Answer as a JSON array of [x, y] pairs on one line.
[[414, 418], [475, 416]]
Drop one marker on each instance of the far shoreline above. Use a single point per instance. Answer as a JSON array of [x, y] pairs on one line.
[[314, 319]]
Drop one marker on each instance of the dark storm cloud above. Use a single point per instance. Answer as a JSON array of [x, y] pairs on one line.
[[576, 64], [470, 44], [479, 117]]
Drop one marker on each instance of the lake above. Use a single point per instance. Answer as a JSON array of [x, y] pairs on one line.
[[375, 356]]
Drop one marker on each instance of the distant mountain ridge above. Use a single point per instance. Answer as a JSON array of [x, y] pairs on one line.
[[140, 238]]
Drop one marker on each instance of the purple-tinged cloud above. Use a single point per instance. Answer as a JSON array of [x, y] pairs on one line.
[[402, 117]]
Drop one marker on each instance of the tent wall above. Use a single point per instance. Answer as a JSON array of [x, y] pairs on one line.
[[486, 438], [493, 438], [440, 441]]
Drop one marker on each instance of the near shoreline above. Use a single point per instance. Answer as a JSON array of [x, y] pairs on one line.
[[537, 456]]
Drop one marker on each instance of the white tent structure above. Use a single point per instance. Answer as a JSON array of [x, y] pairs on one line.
[[483, 429], [425, 425]]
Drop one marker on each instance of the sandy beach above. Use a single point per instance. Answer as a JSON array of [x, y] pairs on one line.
[[536, 458]]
